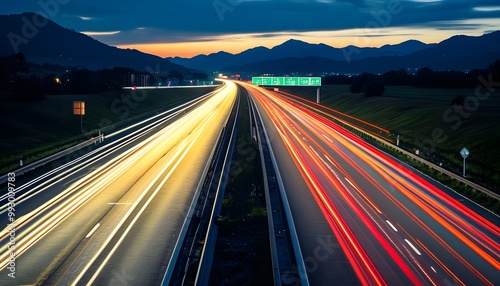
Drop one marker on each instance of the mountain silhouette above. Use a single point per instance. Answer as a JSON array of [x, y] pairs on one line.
[[460, 53], [41, 40], [296, 49]]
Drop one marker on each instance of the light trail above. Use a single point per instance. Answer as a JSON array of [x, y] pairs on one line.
[[139, 150], [314, 142], [36, 186]]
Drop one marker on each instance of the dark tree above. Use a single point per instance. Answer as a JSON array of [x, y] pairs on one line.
[[29, 89], [423, 77], [52, 84], [374, 88], [175, 74], [10, 66], [494, 69], [393, 77], [367, 77], [356, 87], [336, 79], [83, 81], [199, 75]]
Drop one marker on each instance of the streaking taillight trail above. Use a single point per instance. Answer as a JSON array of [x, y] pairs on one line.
[[306, 134]]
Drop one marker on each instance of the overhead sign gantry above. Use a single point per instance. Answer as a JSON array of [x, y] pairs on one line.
[[289, 81], [286, 81]]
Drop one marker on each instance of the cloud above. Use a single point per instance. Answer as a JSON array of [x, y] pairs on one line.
[[487, 9], [426, 1], [122, 22], [85, 18], [478, 24], [93, 34]]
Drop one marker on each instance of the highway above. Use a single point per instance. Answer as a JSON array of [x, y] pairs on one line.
[[113, 216], [365, 218]]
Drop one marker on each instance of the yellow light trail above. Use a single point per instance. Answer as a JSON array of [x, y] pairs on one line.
[[174, 141]]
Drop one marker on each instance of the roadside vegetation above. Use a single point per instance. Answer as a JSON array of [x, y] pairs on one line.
[[37, 129], [36, 105], [242, 253]]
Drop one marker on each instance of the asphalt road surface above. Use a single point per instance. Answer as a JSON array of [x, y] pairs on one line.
[[363, 217], [117, 221]]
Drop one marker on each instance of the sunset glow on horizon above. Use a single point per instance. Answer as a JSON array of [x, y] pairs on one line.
[[194, 27], [238, 43]]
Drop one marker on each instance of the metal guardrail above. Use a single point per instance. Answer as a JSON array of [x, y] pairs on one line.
[[301, 268], [447, 172], [66, 152], [52, 157], [187, 221], [206, 259], [208, 189]]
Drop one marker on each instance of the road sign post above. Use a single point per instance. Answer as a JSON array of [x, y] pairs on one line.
[[79, 109], [465, 153]]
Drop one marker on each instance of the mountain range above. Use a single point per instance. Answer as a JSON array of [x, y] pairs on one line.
[[43, 41], [296, 49], [293, 56]]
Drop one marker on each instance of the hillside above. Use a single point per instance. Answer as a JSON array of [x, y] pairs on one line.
[[43, 41]]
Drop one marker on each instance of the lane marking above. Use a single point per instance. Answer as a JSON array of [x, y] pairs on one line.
[[413, 247], [350, 183], [119, 203], [93, 230], [174, 162], [391, 225], [433, 269], [327, 158], [327, 138]]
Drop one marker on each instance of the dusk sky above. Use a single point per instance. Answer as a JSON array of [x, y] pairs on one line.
[[190, 27]]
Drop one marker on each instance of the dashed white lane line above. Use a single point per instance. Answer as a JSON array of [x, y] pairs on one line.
[[391, 225], [93, 230], [413, 247]]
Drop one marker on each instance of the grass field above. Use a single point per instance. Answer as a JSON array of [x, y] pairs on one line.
[[37, 129], [426, 120]]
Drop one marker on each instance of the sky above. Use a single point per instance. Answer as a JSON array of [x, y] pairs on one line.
[[186, 28]]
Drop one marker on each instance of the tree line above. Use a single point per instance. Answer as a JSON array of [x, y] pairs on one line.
[[374, 84], [29, 82]]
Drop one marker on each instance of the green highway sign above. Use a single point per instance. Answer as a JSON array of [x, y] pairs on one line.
[[267, 81], [277, 81], [291, 81], [257, 80], [286, 81]]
